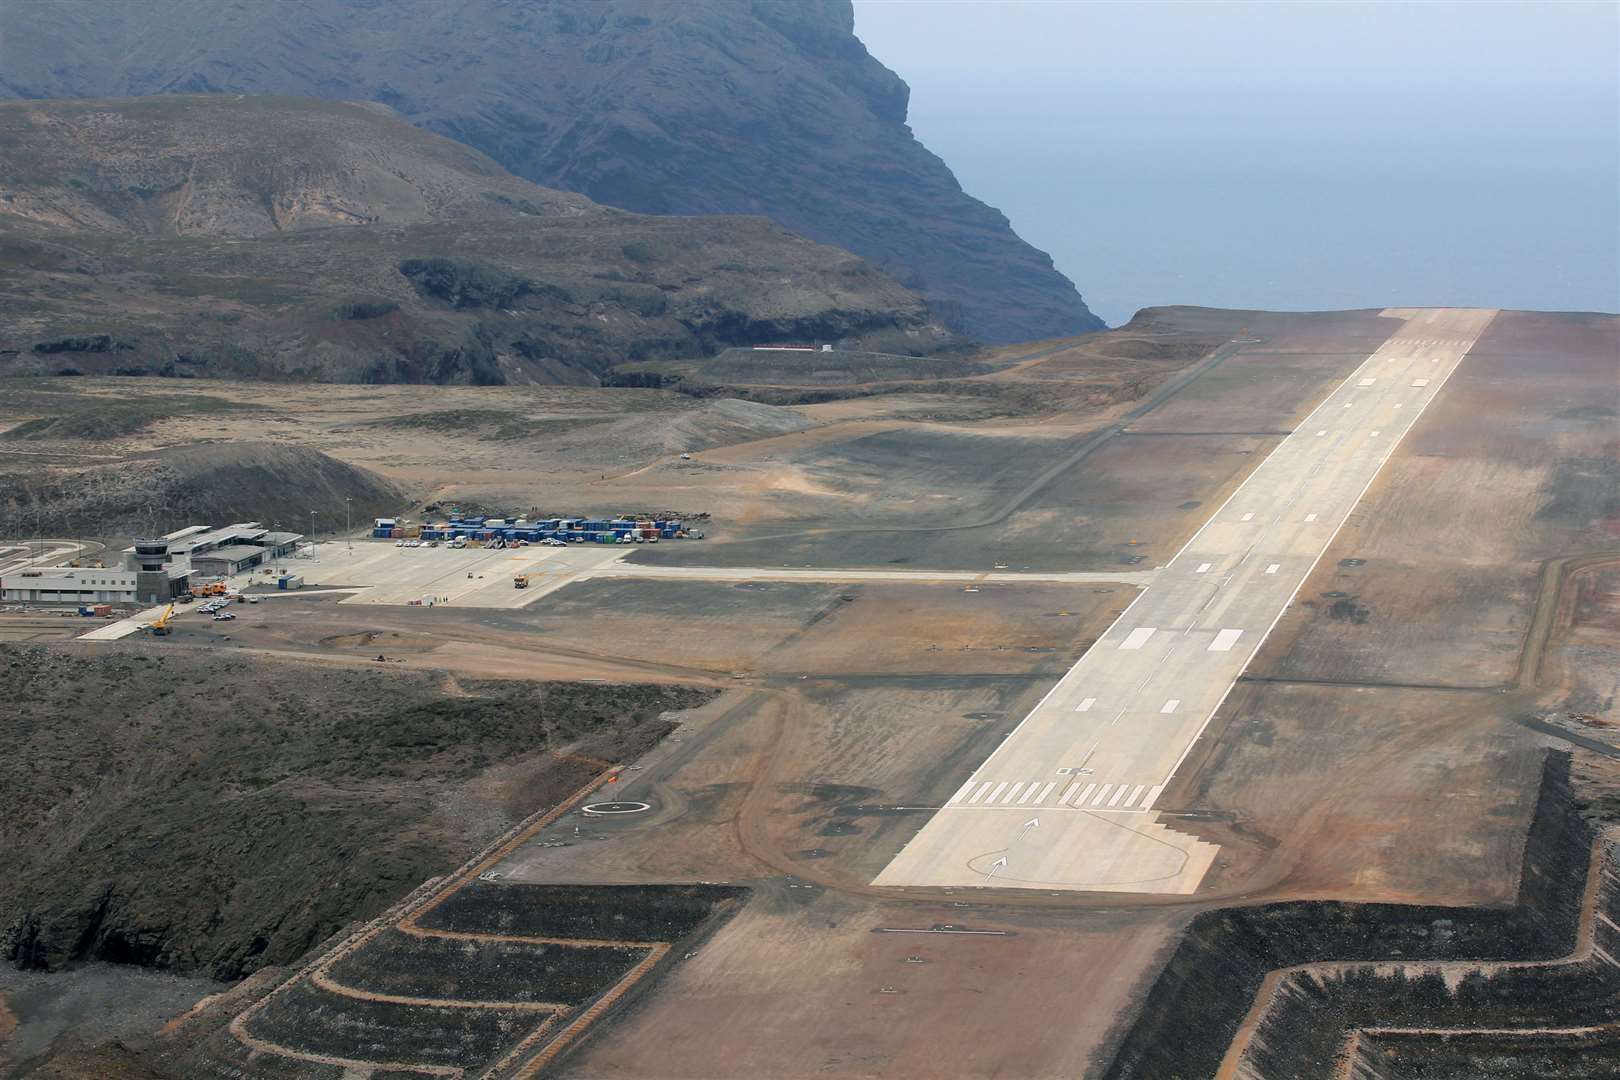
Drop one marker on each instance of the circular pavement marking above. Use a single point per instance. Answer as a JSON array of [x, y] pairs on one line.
[[617, 807]]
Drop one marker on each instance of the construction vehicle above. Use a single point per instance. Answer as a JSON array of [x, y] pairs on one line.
[[520, 581], [160, 627]]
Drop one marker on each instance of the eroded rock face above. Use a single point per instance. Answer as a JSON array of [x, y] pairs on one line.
[[767, 107], [292, 238]]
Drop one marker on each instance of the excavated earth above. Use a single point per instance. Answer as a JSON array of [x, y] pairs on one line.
[[1399, 854]]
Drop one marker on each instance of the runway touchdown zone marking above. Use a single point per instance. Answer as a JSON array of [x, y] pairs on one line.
[[1085, 851], [1137, 638]]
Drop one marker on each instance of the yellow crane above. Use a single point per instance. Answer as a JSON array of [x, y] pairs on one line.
[[160, 626]]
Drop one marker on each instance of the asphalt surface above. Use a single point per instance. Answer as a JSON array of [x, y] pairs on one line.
[[1067, 800]]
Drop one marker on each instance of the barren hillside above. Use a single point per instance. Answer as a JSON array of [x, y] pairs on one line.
[[767, 107], [294, 239]]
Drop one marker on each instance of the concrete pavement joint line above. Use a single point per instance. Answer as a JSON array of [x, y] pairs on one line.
[[1388, 452], [482, 578], [1334, 474], [939, 930]]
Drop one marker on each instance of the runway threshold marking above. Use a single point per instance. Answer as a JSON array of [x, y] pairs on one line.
[[948, 849]]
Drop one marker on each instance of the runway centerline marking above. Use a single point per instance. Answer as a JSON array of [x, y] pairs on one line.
[[1140, 740]]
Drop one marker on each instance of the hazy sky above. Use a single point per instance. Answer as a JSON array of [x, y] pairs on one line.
[[1296, 155]]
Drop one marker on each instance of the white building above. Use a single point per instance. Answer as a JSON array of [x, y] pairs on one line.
[[69, 584], [211, 552]]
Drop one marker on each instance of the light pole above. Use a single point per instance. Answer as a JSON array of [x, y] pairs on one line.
[[312, 528], [348, 529]]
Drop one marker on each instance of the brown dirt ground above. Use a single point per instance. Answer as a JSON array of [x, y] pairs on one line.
[[1356, 792]]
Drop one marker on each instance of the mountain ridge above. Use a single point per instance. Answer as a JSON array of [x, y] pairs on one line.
[[702, 107], [230, 235]]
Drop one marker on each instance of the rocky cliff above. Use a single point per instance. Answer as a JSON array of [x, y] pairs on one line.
[[209, 235], [767, 107]]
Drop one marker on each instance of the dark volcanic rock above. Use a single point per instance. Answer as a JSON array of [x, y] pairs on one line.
[[206, 813], [289, 238], [701, 107], [146, 493]]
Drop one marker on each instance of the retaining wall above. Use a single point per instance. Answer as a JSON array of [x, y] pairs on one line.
[[1193, 1011]]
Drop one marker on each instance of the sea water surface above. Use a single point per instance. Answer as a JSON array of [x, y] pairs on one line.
[[1299, 157]]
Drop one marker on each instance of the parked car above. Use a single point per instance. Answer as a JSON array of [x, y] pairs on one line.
[[224, 616]]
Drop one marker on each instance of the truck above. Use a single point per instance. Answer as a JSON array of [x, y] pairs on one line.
[[520, 581]]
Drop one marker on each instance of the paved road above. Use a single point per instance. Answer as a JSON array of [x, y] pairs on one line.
[[835, 574], [17, 555], [463, 577], [124, 627], [479, 577], [1067, 800]]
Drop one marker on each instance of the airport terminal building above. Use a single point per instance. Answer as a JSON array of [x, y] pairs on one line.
[[154, 571], [69, 585], [167, 564]]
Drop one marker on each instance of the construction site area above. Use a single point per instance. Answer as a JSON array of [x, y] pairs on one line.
[[1233, 694]]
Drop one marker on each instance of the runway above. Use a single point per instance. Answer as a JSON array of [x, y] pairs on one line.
[[1067, 800]]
